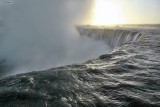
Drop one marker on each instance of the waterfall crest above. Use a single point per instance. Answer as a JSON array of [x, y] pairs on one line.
[[112, 37]]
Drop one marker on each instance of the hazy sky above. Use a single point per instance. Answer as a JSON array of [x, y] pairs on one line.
[[141, 11], [131, 11]]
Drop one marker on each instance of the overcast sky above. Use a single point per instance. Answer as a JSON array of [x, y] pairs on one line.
[[140, 11]]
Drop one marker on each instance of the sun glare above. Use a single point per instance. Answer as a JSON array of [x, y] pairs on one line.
[[106, 13]]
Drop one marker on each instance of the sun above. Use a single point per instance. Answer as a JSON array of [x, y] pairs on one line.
[[106, 13]]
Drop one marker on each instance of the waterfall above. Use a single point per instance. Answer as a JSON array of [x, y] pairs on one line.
[[112, 37]]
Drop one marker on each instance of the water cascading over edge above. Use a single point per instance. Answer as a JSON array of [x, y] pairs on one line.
[[112, 37]]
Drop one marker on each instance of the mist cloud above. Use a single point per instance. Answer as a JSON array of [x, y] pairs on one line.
[[40, 34]]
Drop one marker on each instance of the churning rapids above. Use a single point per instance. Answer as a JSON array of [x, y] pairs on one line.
[[127, 76]]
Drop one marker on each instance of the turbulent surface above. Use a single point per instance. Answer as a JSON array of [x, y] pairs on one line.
[[128, 76]]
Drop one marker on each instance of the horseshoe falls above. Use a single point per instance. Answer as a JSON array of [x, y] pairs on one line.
[[46, 61], [112, 37]]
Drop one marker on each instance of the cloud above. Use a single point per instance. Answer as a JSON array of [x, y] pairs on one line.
[[40, 34]]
